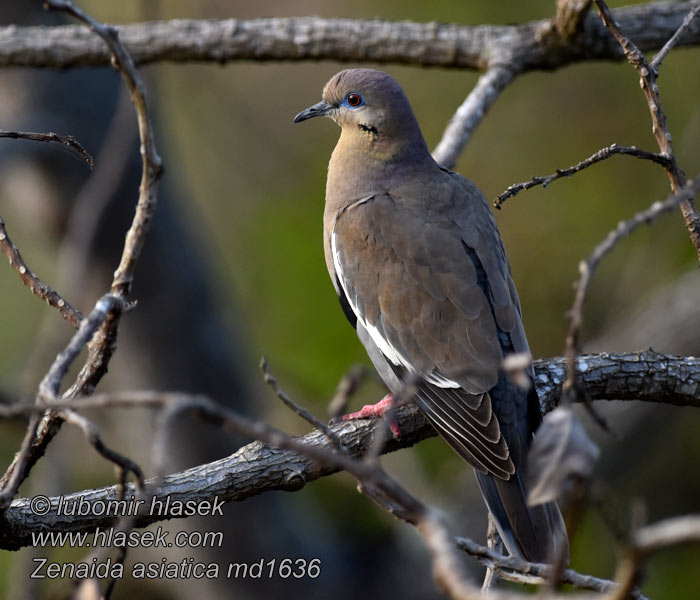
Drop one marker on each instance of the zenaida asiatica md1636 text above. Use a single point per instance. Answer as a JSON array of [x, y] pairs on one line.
[[419, 266]]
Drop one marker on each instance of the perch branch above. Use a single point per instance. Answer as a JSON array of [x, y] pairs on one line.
[[256, 468], [320, 452]]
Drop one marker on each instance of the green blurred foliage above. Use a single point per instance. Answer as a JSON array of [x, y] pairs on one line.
[[253, 184]]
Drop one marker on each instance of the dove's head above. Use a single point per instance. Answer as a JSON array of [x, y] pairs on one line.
[[370, 107]]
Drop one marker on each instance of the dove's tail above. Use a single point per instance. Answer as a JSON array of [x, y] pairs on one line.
[[534, 533]]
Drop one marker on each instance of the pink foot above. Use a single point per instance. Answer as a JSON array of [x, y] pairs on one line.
[[377, 410]]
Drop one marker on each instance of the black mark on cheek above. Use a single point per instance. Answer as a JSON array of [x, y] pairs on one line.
[[368, 129]]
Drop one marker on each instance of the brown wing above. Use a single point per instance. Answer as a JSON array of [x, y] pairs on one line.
[[413, 282]]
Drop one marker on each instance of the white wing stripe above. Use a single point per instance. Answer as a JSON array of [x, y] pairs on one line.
[[391, 353]]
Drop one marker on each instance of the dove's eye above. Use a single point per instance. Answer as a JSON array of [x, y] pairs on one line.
[[354, 100]]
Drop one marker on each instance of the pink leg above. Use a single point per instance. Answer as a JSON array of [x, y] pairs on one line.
[[377, 410]]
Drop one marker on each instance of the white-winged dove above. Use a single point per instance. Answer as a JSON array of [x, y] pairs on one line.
[[418, 263]]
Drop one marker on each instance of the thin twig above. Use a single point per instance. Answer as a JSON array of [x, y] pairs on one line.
[[161, 435], [675, 38], [381, 488], [51, 382], [471, 112], [92, 434], [152, 164], [508, 565], [602, 154], [11, 480], [588, 266], [38, 288], [67, 140], [103, 344], [299, 410], [346, 388], [48, 392], [667, 533], [494, 543], [649, 539], [448, 569], [151, 173], [647, 81]]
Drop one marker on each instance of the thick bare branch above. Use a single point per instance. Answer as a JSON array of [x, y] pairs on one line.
[[257, 468], [471, 112], [570, 17], [647, 376], [313, 38]]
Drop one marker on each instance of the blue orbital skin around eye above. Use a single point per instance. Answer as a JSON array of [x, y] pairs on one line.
[[346, 104]]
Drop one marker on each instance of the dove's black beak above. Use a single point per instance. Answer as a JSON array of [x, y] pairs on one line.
[[317, 110]]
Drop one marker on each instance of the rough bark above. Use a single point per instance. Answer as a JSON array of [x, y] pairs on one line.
[[534, 45], [258, 468]]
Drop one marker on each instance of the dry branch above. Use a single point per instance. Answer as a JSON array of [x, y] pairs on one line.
[[588, 266], [675, 38], [257, 468], [308, 416], [38, 288], [102, 344], [279, 461], [471, 112], [66, 140], [47, 394], [602, 154], [647, 80], [313, 38], [534, 573], [570, 17]]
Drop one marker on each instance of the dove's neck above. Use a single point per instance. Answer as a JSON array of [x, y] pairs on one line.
[[366, 163]]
